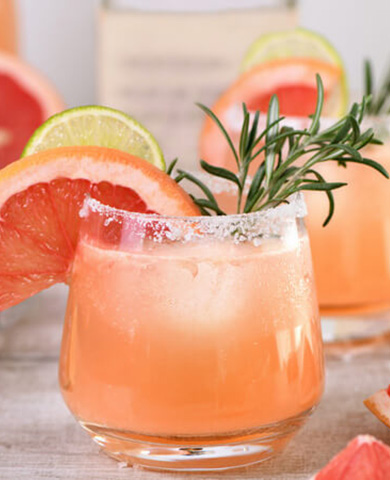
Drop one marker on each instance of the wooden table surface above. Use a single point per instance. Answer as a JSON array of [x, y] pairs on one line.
[[39, 439]]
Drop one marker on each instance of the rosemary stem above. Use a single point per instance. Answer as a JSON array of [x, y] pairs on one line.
[[290, 157]]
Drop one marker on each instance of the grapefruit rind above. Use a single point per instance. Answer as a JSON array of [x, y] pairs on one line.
[[379, 405], [297, 43], [115, 166], [95, 125]]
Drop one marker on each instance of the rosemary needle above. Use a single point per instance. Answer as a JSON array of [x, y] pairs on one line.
[[379, 99]]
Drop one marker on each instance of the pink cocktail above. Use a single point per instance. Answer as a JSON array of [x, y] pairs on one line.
[[351, 254], [192, 343]]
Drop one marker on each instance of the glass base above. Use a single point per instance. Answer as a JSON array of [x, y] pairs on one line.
[[197, 453], [357, 330]]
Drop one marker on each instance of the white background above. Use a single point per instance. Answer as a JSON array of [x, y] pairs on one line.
[[359, 29], [58, 36]]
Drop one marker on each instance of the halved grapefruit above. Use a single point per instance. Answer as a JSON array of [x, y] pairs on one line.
[[40, 199], [26, 100], [293, 80], [364, 458], [379, 405]]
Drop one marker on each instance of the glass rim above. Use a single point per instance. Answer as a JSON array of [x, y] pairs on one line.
[[296, 208]]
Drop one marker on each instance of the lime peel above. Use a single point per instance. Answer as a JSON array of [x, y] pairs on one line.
[[100, 126]]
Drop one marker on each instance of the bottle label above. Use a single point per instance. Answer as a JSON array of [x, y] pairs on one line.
[[155, 66]]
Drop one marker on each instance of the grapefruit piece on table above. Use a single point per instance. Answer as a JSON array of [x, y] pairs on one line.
[[364, 458], [379, 405], [26, 100], [40, 199], [293, 80]]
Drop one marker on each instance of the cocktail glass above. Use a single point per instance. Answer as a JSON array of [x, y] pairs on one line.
[[351, 255], [192, 343]]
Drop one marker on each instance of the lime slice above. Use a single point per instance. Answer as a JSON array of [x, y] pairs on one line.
[[100, 126], [291, 43], [298, 43]]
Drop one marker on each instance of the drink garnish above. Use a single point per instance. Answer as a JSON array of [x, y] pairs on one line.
[[40, 201], [290, 157], [99, 126]]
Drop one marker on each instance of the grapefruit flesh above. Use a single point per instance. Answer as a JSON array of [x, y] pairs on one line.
[[379, 405], [26, 101], [292, 79], [40, 200], [296, 100], [364, 458]]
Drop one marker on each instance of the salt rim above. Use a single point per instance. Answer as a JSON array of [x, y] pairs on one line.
[[254, 227], [296, 208]]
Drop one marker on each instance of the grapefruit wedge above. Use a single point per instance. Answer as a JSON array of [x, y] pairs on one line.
[[27, 99], [293, 80], [364, 458], [40, 200], [379, 405]]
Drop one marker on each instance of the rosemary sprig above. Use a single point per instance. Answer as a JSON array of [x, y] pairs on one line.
[[290, 157], [379, 101]]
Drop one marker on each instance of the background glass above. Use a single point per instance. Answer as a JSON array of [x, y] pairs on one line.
[[351, 255]]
